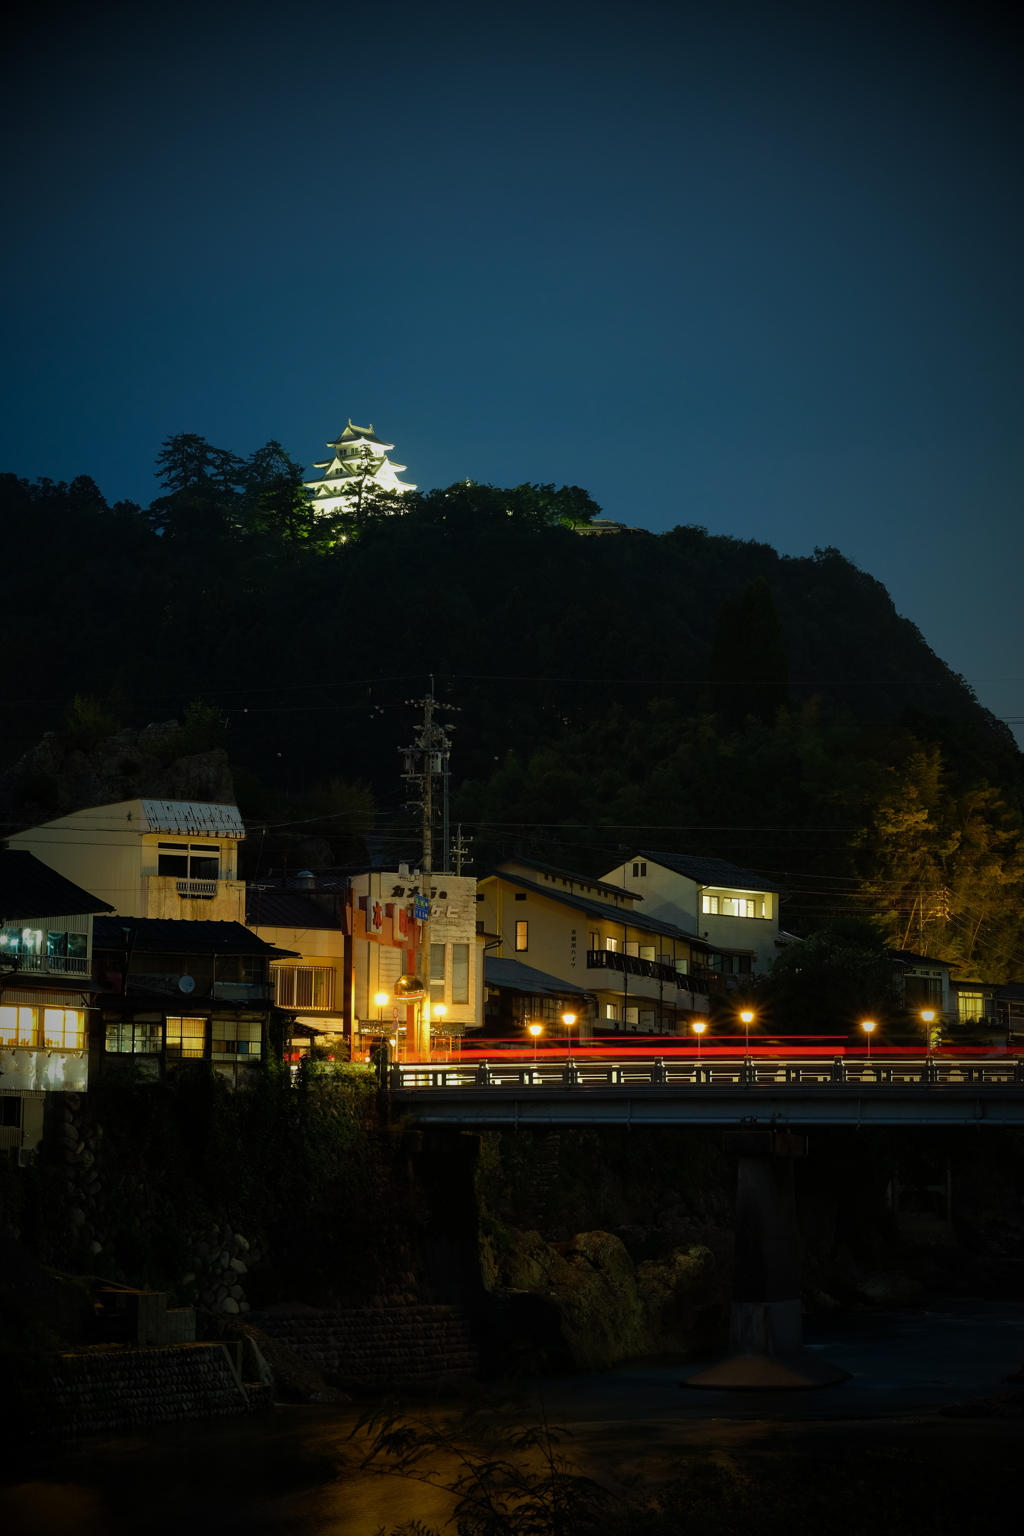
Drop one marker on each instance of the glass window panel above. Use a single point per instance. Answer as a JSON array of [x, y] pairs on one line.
[[460, 973], [173, 864], [119, 1037], [522, 935], [78, 945], [64, 1028], [970, 1005], [186, 1038], [19, 1026], [709, 904], [204, 866], [56, 943], [31, 941]]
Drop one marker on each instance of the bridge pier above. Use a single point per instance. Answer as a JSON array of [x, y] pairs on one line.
[[766, 1328]]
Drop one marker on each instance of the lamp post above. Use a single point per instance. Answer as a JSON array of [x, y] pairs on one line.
[[747, 1016], [868, 1025], [536, 1030], [928, 1018], [569, 1019], [698, 1030]]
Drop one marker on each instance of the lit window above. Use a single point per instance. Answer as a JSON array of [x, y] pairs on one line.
[[305, 986], [233, 1038], [135, 1037], [631, 1017], [969, 1006], [648, 952], [19, 1026], [522, 935], [186, 1039], [611, 944], [709, 904], [631, 947], [611, 1011], [64, 1028], [460, 973]]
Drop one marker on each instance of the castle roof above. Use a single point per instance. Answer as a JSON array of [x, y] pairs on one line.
[[354, 434]]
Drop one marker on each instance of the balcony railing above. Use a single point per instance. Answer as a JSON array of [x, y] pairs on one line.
[[633, 965], [197, 890], [55, 965]]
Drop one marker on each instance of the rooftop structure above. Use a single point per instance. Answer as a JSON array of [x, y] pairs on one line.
[[359, 465]]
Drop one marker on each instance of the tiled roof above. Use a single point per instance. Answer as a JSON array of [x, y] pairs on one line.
[[575, 877], [604, 909], [523, 978], [172, 936], [30, 888], [710, 871], [287, 909]]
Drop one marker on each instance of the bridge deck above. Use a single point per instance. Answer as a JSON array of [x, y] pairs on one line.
[[938, 1090]]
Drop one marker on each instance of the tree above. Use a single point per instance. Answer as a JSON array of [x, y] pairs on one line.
[[749, 667], [828, 983]]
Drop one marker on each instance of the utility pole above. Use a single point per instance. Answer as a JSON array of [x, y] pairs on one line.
[[423, 762]]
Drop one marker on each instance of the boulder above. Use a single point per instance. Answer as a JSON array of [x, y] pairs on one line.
[[891, 1288]]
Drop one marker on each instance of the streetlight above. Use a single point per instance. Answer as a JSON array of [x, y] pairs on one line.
[[867, 1025], [535, 1030], [747, 1017], [569, 1019], [928, 1016], [698, 1030]]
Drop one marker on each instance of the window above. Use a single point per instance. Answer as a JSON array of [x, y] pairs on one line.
[[639, 870], [196, 861], [631, 947], [594, 941], [970, 1005], [186, 1039], [231, 1039], [10, 1110], [738, 906], [522, 936], [460, 973], [19, 1026], [923, 992], [611, 1011], [611, 944], [437, 972], [137, 1037], [305, 986], [648, 952], [631, 1017], [709, 904], [520, 896], [64, 1028], [743, 964]]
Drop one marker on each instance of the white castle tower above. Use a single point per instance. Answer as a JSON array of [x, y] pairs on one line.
[[360, 464]]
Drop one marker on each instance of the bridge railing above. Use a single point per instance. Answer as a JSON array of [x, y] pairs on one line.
[[658, 1073]]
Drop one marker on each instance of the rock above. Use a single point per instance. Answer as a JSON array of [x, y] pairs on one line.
[[240, 1242], [201, 1250], [229, 1304], [239, 1267], [78, 1217], [236, 1292], [95, 1247], [244, 1306], [891, 1288], [680, 1296], [187, 1279]]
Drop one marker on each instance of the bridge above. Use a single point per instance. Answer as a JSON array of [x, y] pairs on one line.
[[795, 1090]]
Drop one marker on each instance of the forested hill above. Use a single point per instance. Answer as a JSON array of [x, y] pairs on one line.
[[682, 691], [312, 647]]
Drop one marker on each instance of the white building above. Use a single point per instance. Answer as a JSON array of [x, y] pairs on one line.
[[359, 465], [730, 907], [149, 858]]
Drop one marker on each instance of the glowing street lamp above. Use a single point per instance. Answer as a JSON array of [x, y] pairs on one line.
[[536, 1030], [698, 1030], [868, 1026], [747, 1017], [569, 1019], [928, 1018]]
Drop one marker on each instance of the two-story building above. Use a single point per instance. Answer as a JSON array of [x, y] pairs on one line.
[[734, 910], [149, 858], [46, 992], [177, 991], [645, 974]]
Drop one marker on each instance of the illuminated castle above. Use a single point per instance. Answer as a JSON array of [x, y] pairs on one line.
[[359, 466]]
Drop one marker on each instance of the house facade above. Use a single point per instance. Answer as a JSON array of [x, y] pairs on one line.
[[46, 993], [172, 859], [732, 909], [645, 974]]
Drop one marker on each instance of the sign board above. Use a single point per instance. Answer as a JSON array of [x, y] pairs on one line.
[[420, 908]]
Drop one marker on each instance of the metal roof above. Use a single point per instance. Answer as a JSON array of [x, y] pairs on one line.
[[523, 978], [30, 888], [709, 871], [617, 914], [174, 936], [574, 876], [287, 909]]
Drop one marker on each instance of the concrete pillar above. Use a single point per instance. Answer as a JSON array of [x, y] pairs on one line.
[[766, 1331]]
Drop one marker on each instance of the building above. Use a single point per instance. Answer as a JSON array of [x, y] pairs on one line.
[[354, 935], [518, 995], [46, 991], [645, 974], [358, 464], [149, 858], [180, 990], [731, 908]]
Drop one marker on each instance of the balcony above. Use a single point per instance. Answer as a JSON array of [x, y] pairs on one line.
[[197, 890], [632, 965], [178, 896], [53, 965]]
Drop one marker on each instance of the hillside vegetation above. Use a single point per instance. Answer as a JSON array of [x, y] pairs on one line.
[[682, 690]]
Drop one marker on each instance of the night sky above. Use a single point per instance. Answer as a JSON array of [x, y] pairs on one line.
[[756, 267]]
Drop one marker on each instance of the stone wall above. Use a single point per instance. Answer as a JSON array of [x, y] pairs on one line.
[[116, 1388], [374, 1349]]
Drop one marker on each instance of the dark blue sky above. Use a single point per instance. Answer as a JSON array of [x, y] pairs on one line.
[[751, 266]]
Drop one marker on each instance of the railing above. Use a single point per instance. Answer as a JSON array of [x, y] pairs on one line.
[[57, 965], [197, 890], [656, 970], [569, 1073]]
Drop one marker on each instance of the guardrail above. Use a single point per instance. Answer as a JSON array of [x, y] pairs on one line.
[[944, 1072]]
